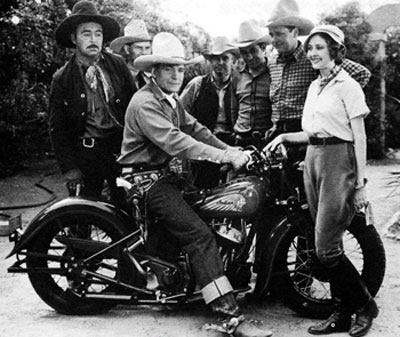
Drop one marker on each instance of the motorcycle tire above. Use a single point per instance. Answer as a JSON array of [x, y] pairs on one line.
[[301, 281], [55, 289]]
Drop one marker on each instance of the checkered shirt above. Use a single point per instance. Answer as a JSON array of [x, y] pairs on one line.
[[290, 78]]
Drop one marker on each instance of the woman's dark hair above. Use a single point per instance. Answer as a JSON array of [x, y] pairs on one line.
[[336, 50]]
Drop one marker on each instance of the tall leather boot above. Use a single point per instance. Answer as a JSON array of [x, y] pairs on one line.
[[354, 295], [235, 324], [357, 297], [338, 321]]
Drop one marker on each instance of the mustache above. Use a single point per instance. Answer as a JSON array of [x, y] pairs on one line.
[[93, 46]]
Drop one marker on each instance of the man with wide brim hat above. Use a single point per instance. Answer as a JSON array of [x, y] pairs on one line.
[[208, 98], [157, 129], [251, 104], [87, 104], [250, 33], [290, 70], [135, 42], [85, 11]]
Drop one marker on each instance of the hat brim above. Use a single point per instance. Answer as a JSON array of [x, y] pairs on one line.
[[146, 62], [117, 44], [304, 25], [68, 25], [244, 44], [209, 53]]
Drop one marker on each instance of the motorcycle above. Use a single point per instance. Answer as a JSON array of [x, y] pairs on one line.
[[86, 256]]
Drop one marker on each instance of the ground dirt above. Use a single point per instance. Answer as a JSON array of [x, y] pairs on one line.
[[23, 314]]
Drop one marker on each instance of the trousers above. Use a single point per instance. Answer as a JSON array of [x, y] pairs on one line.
[[329, 179], [165, 201]]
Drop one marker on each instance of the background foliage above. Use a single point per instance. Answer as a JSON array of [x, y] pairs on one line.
[[29, 57]]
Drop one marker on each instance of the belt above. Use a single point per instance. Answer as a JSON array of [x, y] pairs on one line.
[[250, 134], [326, 141], [90, 142], [143, 168]]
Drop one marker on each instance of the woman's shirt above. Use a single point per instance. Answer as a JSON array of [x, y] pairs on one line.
[[327, 112]]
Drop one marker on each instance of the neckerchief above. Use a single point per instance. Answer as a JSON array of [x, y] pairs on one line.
[[323, 81], [93, 75]]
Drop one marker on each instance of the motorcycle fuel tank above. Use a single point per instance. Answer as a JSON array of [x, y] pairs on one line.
[[238, 198]]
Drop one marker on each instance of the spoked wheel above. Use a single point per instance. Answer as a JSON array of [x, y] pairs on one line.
[[57, 259], [301, 281]]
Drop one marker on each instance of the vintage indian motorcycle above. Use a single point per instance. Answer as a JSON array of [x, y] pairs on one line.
[[85, 256]]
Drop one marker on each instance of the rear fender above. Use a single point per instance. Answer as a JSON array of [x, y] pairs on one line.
[[117, 216]]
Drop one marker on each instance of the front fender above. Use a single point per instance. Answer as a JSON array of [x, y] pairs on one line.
[[268, 247], [72, 203]]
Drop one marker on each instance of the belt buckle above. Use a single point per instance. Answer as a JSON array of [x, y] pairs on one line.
[[85, 144]]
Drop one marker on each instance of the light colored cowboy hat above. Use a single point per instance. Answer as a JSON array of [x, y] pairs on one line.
[[134, 31], [167, 49], [250, 34], [286, 14], [85, 11], [334, 32], [220, 46]]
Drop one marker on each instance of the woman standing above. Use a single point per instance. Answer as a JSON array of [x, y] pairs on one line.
[[334, 175]]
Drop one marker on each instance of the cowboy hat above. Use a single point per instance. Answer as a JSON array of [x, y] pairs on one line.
[[334, 32], [286, 14], [167, 49], [135, 31], [250, 34], [220, 46], [85, 11]]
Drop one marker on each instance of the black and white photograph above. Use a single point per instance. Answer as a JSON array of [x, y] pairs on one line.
[[199, 168]]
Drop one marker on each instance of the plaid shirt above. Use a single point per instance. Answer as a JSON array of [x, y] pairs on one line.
[[292, 75], [250, 103]]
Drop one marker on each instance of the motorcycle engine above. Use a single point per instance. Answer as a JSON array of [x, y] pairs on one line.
[[229, 230], [167, 276]]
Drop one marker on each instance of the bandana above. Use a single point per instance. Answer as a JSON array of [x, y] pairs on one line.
[[93, 75], [323, 81]]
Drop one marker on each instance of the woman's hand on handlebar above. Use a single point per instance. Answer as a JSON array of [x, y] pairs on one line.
[[273, 145]]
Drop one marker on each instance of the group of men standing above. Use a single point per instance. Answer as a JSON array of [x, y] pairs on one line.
[[98, 102]]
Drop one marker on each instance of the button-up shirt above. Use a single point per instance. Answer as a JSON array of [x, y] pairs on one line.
[[155, 131], [251, 101], [291, 77], [327, 112]]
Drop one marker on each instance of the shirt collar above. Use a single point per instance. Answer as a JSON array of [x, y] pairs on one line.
[[296, 55]]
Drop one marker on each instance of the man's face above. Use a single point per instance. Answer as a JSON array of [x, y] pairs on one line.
[[253, 56], [284, 39], [136, 49], [88, 40], [169, 77], [222, 65]]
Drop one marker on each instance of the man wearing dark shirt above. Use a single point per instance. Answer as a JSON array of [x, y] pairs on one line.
[[87, 105]]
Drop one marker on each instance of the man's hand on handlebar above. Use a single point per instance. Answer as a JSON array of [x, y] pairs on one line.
[[236, 158]]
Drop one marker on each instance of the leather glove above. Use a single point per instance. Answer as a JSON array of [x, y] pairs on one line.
[[74, 181], [360, 199]]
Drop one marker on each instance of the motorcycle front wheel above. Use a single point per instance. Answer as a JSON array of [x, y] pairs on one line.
[[301, 281], [60, 283]]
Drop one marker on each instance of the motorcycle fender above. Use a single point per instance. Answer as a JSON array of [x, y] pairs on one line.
[[72, 203], [267, 248]]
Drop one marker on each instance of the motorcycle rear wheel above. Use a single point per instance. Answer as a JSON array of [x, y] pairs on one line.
[[59, 290], [301, 281]]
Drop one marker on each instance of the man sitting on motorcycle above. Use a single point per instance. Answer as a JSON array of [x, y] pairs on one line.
[[157, 129]]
